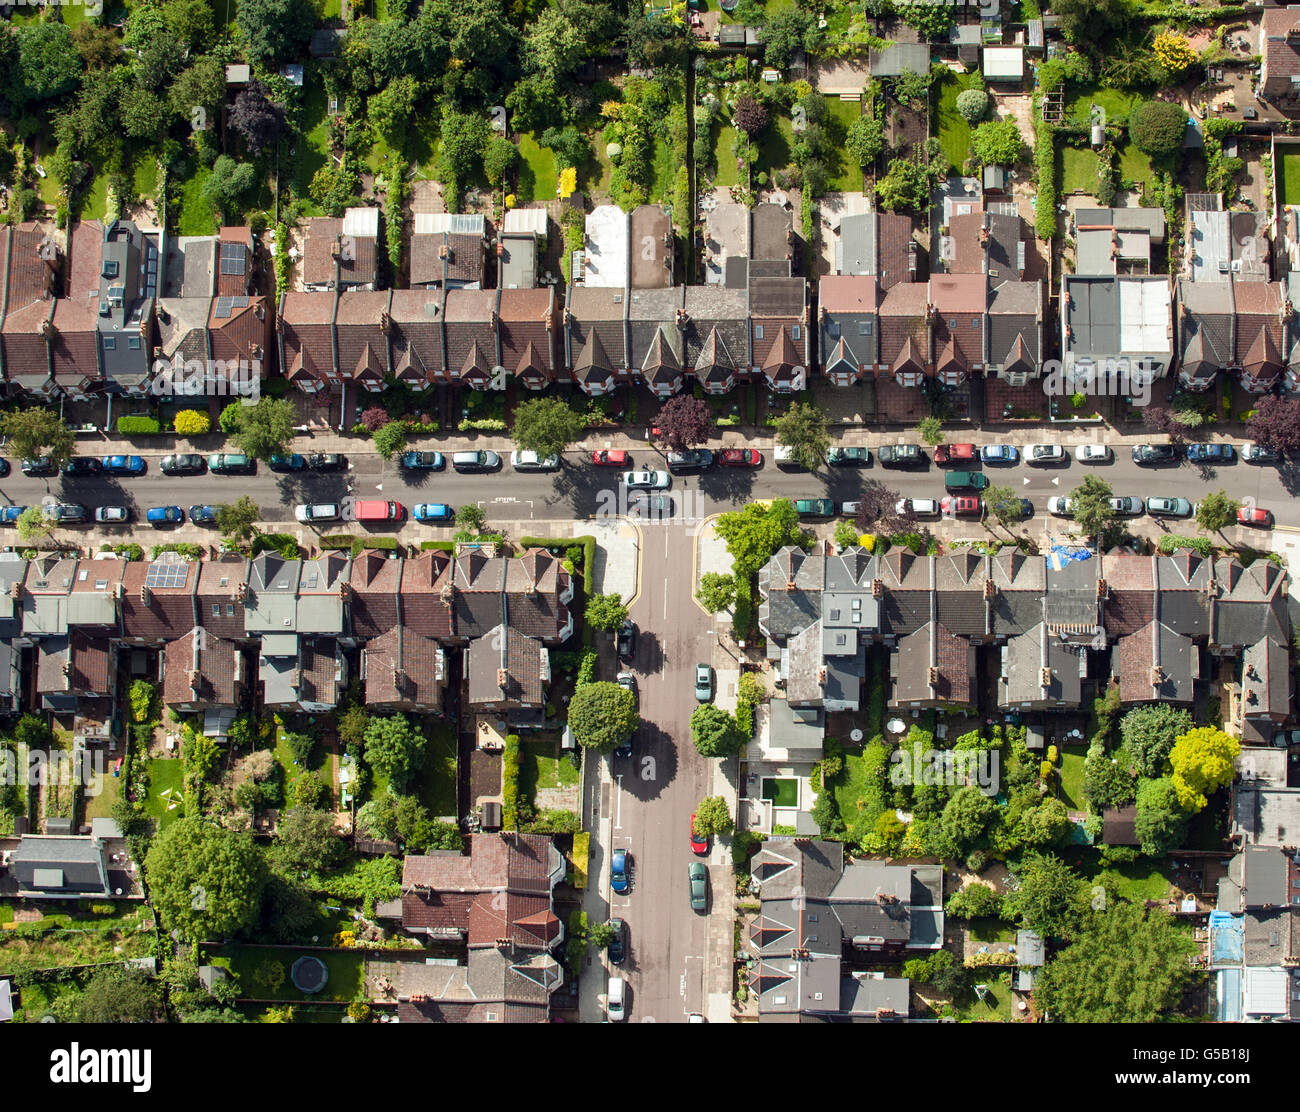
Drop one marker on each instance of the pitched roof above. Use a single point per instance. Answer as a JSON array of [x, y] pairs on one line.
[[404, 668]]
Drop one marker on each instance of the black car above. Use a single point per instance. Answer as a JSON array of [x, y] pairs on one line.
[[4, 467], [901, 455], [79, 467], [1150, 455], [618, 947], [39, 467], [327, 461], [626, 640], [186, 463], [697, 459]]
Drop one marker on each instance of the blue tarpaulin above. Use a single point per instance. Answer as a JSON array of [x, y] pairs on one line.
[[1059, 556]]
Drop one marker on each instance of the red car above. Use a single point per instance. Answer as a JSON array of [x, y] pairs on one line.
[[962, 506], [1255, 516], [699, 844], [740, 457], [611, 457], [954, 453]]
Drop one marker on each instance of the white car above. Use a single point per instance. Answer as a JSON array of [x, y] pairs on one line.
[[531, 461], [647, 480], [112, 515], [320, 511], [1093, 453], [783, 456], [1061, 506], [921, 507], [1045, 453]]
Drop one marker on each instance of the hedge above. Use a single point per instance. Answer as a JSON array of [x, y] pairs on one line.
[[742, 616], [188, 551], [510, 783], [438, 546], [587, 668], [283, 543], [1169, 544], [191, 422], [1045, 161], [579, 857], [138, 426]]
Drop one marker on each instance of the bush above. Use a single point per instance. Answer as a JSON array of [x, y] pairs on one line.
[[141, 696], [138, 426], [192, 422], [1157, 127], [510, 783], [1045, 163], [972, 104]]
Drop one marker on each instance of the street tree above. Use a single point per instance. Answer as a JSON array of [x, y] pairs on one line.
[[34, 524], [601, 935], [238, 519], [38, 432], [602, 715], [1092, 508], [930, 430], [754, 534], [1216, 511], [204, 880], [717, 591], [802, 428], [1149, 732], [265, 429], [389, 439], [714, 731], [1202, 761], [683, 422], [606, 612], [1276, 423], [471, 518], [877, 510], [395, 749], [546, 426], [1005, 505], [713, 817]]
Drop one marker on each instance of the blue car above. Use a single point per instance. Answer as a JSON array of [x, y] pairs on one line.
[[618, 878], [422, 461], [432, 512], [999, 453], [165, 515], [124, 465], [10, 514], [1210, 453], [292, 462], [203, 515]]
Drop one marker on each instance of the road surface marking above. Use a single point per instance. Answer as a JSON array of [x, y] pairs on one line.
[[665, 600], [1056, 480], [1025, 480], [618, 818]]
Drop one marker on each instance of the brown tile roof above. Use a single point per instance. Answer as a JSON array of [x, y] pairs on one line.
[[374, 582], [470, 333], [959, 301], [426, 579], [26, 275], [902, 317], [1281, 56], [403, 668], [465, 262], [90, 664], [968, 256], [318, 256], [417, 332], [244, 334], [220, 585], [893, 237], [524, 315], [506, 669], [307, 335], [319, 659], [216, 665], [362, 343], [157, 613], [75, 345]]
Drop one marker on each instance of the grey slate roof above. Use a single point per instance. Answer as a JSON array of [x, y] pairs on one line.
[[60, 866]]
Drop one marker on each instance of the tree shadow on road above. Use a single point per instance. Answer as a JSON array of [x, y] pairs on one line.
[[653, 765]]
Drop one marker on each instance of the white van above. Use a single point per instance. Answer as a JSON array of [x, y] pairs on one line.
[[615, 1001]]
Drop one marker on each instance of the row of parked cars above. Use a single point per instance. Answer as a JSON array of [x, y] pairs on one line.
[[1063, 506], [74, 513]]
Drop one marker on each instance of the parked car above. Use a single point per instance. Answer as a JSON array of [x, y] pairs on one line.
[[946, 455], [317, 511], [699, 842], [917, 507], [291, 461], [849, 457], [1000, 453], [965, 506], [1255, 516], [784, 457], [40, 467], [740, 457], [703, 682], [112, 515], [627, 681], [647, 479], [616, 1000], [124, 465], [185, 463], [611, 457], [814, 507], [327, 461], [642, 505], [165, 515], [1042, 455], [433, 513], [1060, 506], [625, 640], [1210, 453], [423, 461], [203, 515], [475, 461], [531, 461], [901, 455], [10, 514], [1128, 506], [1257, 453], [1093, 453], [694, 459], [1152, 455], [1170, 507], [82, 467], [69, 513], [4, 467], [618, 944], [699, 875], [618, 871], [965, 480], [231, 463], [1284, 739]]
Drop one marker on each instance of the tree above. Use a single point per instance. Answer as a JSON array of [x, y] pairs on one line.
[[499, 159], [143, 112], [1276, 423], [786, 32], [606, 611], [965, 820], [204, 880], [1173, 52], [118, 996], [717, 591], [254, 115], [48, 66], [749, 115], [1005, 505], [98, 46], [1052, 897], [865, 140], [229, 181], [305, 841], [1149, 733], [714, 731], [912, 88], [1092, 21], [471, 518], [1202, 761], [683, 422], [972, 104], [238, 520], [713, 817], [464, 137], [1158, 127], [34, 524], [933, 21], [753, 535], [352, 725], [546, 426], [1047, 824], [878, 509], [602, 715], [1128, 965], [1092, 508], [1216, 510], [300, 743], [265, 429], [997, 143], [802, 427], [975, 901], [1161, 821], [905, 186], [601, 935], [191, 422], [1106, 782], [389, 110], [484, 47], [394, 749], [36, 432], [274, 29], [930, 430], [389, 439]]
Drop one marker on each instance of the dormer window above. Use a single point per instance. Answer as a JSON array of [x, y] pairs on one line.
[[110, 268]]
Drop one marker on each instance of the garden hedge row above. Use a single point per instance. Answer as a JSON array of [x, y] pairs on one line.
[[1045, 161], [510, 783], [138, 426]]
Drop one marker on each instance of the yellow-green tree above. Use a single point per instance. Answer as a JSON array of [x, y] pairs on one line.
[[1173, 52], [1202, 762]]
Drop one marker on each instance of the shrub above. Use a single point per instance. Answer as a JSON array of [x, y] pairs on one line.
[[972, 104], [510, 783], [1045, 163], [192, 422], [141, 696], [1157, 127], [138, 426]]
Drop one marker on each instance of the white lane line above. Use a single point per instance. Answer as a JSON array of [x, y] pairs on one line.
[[618, 818]]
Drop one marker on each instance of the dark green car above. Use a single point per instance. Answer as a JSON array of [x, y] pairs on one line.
[[699, 887], [965, 480], [814, 507], [849, 457]]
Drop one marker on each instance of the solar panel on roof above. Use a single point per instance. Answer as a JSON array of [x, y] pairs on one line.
[[240, 302], [166, 573], [223, 307], [233, 259]]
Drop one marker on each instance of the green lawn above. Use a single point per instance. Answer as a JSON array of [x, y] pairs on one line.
[[952, 129], [992, 930], [1072, 757], [346, 972], [538, 178], [1289, 177], [860, 802], [783, 791], [1133, 164], [95, 202], [164, 773], [665, 167], [197, 217], [104, 790], [996, 1007], [542, 766], [1117, 104], [313, 147], [769, 7], [1142, 880], [437, 787], [728, 172], [774, 148], [144, 177], [845, 177], [1078, 170]]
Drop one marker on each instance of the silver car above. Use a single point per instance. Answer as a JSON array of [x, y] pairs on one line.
[[112, 515], [531, 461], [647, 480], [1170, 507], [1093, 453]]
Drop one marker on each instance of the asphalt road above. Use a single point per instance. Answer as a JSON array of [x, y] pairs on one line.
[[580, 490]]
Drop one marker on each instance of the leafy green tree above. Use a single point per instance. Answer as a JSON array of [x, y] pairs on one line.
[[754, 534], [905, 187], [464, 137], [229, 181], [717, 591], [997, 143], [499, 159], [606, 611], [389, 439], [265, 429], [389, 110], [1149, 732], [930, 430], [48, 66], [1216, 511], [118, 996], [204, 880], [1161, 822], [601, 935], [1047, 824], [546, 426], [1202, 761], [1005, 505], [714, 731], [144, 114], [36, 432], [305, 841], [785, 32], [965, 820], [713, 817], [802, 428], [913, 88], [1052, 898], [300, 744], [484, 46], [933, 21], [395, 749], [827, 816], [471, 518], [975, 901], [1158, 127], [238, 519], [1092, 508], [865, 140], [34, 524], [602, 715], [1106, 781], [1092, 21], [352, 725], [1127, 965], [274, 30]]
